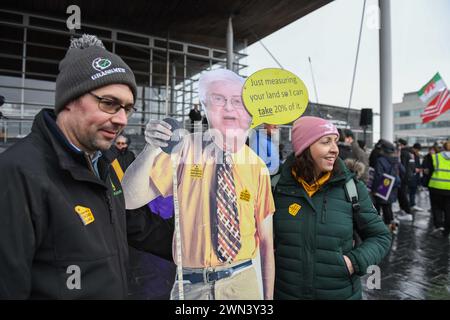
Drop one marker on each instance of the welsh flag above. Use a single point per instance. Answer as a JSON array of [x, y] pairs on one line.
[[437, 97], [431, 88]]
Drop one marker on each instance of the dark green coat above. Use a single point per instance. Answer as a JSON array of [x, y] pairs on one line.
[[309, 246]]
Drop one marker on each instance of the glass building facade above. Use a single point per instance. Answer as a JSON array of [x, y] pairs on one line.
[[31, 47]]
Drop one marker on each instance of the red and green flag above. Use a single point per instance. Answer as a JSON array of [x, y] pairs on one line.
[[433, 86]]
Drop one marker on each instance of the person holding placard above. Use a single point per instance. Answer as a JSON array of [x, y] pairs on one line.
[[386, 182]]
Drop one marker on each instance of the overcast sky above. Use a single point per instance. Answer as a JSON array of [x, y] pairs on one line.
[[329, 35]]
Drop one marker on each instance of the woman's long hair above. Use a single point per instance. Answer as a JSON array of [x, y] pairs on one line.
[[303, 167]]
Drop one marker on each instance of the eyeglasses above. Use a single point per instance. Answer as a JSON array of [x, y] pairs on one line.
[[112, 106], [219, 100], [121, 143]]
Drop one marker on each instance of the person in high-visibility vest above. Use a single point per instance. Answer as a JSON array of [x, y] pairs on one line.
[[439, 186]]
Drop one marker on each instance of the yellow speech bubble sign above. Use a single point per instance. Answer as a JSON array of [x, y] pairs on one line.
[[274, 96]]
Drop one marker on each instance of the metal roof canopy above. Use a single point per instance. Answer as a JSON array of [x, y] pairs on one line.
[[201, 22]]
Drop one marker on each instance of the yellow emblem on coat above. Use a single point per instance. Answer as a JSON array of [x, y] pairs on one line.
[[294, 209], [85, 214], [245, 195], [196, 171], [386, 182]]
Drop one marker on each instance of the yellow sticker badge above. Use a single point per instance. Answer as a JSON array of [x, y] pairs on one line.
[[245, 195], [294, 209], [274, 96], [85, 214], [196, 171]]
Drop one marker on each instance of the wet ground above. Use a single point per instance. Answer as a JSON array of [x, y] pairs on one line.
[[417, 266]]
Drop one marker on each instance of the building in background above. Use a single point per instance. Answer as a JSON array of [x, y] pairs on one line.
[[166, 43], [408, 123], [31, 47]]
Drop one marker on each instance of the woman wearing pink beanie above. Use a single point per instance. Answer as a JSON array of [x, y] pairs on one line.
[[315, 256]]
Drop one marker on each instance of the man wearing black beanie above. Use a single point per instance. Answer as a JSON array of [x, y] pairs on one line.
[[63, 229]]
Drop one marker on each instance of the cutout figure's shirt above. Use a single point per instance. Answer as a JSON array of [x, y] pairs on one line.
[[196, 182]]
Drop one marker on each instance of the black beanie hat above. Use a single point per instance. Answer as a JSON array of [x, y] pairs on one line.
[[88, 66], [387, 146]]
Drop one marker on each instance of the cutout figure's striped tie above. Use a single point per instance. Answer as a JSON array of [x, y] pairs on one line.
[[228, 234]]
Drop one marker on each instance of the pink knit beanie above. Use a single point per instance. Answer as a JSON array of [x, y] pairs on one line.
[[308, 130]]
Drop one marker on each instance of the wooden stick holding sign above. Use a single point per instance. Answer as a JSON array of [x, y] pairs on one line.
[[175, 161]]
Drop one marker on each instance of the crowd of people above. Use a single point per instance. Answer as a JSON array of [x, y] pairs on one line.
[[77, 197], [413, 171]]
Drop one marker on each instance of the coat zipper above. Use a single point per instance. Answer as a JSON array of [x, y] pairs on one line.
[[116, 235], [111, 216]]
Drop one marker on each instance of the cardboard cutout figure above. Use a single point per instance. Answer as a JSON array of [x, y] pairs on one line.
[[222, 192]]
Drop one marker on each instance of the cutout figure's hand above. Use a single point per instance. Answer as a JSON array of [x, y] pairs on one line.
[[157, 133]]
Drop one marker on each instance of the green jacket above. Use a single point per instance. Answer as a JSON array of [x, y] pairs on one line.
[[310, 242]]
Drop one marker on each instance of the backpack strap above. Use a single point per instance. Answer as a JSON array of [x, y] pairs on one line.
[[352, 196], [274, 180]]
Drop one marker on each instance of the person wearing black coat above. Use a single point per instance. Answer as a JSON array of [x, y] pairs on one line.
[[119, 152], [407, 160], [414, 182], [427, 163], [345, 149], [64, 231], [195, 116], [375, 153], [125, 155]]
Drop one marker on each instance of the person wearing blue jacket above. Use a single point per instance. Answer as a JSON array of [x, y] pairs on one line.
[[387, 163]]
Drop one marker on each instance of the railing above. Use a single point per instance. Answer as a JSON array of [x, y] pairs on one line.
[[7, 129]]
